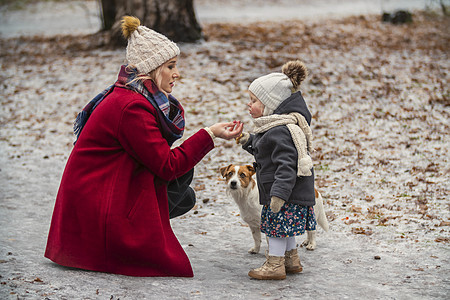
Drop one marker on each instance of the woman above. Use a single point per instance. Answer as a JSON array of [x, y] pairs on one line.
[[112, 212]]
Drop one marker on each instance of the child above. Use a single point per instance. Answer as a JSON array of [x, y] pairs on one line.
[[281, 144]]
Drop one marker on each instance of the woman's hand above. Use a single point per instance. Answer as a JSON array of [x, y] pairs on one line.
[[227, 131]]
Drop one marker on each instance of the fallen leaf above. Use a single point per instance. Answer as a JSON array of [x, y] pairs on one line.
[[360, 230], [442, 240]]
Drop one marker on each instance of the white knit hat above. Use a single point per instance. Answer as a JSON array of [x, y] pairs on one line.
[[146, 49], [271, 90]]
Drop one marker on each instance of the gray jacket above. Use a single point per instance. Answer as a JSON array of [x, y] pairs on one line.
[[276, 160]]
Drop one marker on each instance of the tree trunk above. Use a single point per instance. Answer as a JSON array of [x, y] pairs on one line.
[[108, 13], [173, 18], [444, 8]]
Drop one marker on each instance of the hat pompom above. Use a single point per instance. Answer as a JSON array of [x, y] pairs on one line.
[[296, 71], [129, 25]]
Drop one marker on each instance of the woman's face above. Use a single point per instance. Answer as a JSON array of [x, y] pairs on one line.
[[167, 75], [255, 107]]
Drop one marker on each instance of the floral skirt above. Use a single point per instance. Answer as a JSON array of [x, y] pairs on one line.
[[292, 220]]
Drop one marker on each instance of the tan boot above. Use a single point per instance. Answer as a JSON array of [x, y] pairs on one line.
[[272, 269], [292, 262]]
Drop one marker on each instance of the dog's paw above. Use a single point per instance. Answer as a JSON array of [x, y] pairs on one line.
[[253, 250], [308, 245]]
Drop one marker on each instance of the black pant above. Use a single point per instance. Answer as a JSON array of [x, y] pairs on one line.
[[181, 195]]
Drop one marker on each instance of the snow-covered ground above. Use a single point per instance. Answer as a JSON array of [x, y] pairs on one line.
[[380, 99]]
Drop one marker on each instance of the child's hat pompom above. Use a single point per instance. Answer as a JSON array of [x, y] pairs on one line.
[[129, 25], [296, 71]]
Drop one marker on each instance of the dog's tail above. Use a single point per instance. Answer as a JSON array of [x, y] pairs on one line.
[[321, 217]]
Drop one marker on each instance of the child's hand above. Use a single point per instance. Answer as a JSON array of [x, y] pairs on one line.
[[276, 204], [228, 130], [243, 138]]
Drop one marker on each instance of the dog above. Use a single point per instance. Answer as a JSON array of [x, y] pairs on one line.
[[243, 188], [321, 219]]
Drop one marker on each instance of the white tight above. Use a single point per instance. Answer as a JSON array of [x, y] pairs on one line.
[[278, 246]]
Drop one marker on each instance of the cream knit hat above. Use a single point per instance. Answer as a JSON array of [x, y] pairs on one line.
[[271, 90], [146, 49], [274, 88]]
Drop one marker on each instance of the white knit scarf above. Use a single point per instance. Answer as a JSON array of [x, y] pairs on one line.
[[300, 132]]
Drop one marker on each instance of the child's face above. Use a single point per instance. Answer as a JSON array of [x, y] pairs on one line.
[[255, 107]]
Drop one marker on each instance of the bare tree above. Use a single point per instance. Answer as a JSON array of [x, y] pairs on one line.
[[440, 3], [108, 13], [443, 7], [174, 18]]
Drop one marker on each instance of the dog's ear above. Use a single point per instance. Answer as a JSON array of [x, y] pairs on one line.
[[224, 170], [251, 169]]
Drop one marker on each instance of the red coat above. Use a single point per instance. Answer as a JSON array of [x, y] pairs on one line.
[[111, 212]]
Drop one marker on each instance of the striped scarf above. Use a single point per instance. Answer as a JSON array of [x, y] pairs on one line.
[[170, 111]]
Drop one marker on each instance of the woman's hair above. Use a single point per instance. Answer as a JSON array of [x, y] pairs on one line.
[[153, 75]]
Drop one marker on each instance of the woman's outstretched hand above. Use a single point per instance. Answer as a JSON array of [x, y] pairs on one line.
[[227, 131]]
